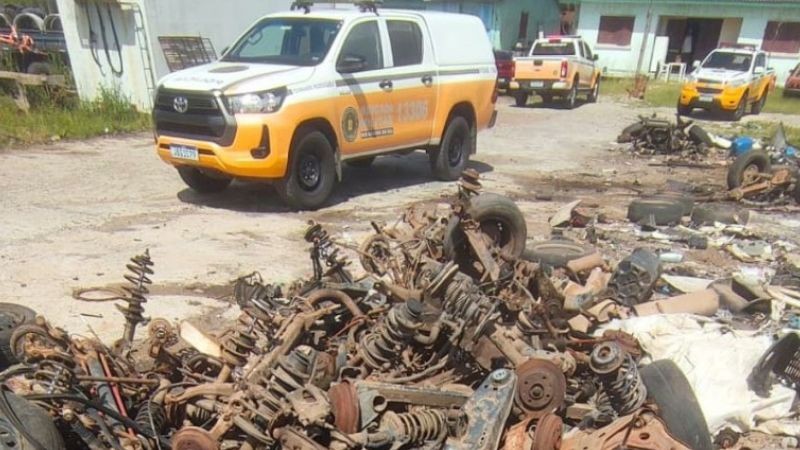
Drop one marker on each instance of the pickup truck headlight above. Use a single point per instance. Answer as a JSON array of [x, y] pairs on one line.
[[257, 103], [736, 82]]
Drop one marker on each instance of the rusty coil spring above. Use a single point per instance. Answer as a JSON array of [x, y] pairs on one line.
[[324, 250], [381, 346], [54, 376], [464, 301], [292, 372], [418, 426], [151, 416], [240, 341], [619, 376], [133, 310]]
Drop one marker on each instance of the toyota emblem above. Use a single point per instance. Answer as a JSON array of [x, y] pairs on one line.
[[180, 104]]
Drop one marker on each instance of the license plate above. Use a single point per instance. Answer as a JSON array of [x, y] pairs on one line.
[[707, 98], [535, 84], [184, 152]]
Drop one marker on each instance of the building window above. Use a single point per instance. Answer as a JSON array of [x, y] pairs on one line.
[[782, 37], [406, 40], [615, 30]]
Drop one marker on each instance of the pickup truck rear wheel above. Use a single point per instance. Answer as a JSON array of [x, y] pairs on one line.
[[201, 182], [520, 99], [311, 173], [450, 159], [759, 105]]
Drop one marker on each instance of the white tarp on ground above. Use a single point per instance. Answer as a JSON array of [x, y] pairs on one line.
[[717, 362]]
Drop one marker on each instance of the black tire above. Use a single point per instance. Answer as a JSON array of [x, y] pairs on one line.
[[571, 99], [747, 165], [311, 173], [499, 218], [684, 110], [759, 105], [594, 94], [556, 253], [39, 68], [452, 156], [656, 211], [11, 317], [631, 132], [677, 406], [361, 163], [520, 99], [741, 108], [202, 183], [38, 432], [700, 136], [708, 215], [686, 202]]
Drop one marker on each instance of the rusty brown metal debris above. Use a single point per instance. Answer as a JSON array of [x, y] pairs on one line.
[[422, 352]]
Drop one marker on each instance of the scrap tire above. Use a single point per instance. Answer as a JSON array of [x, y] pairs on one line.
[[758, 106], [489, 210], [36, 422], [664, 211], [556, 253], [670, 391], [520, 99], [684, 110], [452, 156], [708, 215], [594, 95], [202, 183], [311, 173], [700, 136], [11, 317], [751, 160], [631, 132], [39, 68], [361, 163]]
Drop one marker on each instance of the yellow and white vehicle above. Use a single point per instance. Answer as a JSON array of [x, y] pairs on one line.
[[558, 66], [729, 80], [301, 92]]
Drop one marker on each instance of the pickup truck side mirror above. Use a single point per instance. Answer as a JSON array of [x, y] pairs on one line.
[[595, 57], [351, 64], [758, 70], [695, 64]]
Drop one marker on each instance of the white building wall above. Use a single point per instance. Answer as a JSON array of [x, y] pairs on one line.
[[623, 60], [220, 21]]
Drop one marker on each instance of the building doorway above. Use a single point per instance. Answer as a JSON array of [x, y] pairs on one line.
[[692, 39]]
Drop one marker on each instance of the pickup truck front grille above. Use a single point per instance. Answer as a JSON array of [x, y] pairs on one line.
[[204, 119], [707, 81], [709, 90]]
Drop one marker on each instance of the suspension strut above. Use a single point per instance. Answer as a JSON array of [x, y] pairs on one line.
[[619, 376], [382, 346], [140, 270]]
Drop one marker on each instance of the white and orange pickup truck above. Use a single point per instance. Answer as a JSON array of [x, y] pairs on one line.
[[300, 94], [560, 66]]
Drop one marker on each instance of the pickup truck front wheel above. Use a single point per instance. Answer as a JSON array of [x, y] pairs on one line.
[[741, 108], [311, 174], [201, 182], [759, 105], [450, 159], [594, 95]]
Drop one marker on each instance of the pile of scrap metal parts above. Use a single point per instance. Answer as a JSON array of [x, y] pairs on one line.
[[452, 340], [653, 135]]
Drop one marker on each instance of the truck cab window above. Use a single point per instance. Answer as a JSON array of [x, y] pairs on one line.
[[761, 61], [364, 43], [406, 40]]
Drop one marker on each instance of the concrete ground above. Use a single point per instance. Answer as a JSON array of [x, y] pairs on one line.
[[75, 212]]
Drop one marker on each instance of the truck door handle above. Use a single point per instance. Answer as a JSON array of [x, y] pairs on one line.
[[386, 84], [427, 80]]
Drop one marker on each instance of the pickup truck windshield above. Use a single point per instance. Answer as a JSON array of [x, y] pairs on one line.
[[728, 61], [553, 49], [292, 41]]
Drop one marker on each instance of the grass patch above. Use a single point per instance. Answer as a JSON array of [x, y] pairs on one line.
[[53, 118], [660, 93], [765, 131]]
